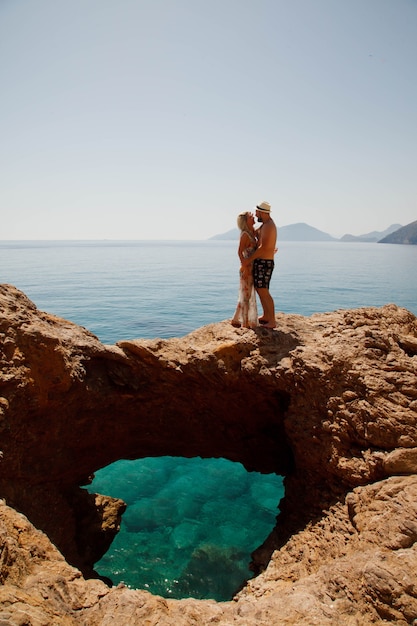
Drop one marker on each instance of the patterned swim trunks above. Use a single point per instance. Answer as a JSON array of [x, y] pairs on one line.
[[262, 272]]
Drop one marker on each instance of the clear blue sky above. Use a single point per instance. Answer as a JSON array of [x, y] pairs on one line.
[[163, 119]]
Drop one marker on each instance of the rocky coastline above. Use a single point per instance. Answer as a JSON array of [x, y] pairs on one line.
[[328, 401]]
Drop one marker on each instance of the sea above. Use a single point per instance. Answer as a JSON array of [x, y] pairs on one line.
[[191, 524]]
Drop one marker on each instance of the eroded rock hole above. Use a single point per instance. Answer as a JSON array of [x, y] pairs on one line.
[[190, 525]]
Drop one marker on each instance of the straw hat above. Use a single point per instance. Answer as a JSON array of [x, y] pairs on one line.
[[264, 206]]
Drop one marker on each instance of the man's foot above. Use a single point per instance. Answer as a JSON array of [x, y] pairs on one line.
[[262, 320], [235, 324], [269, 325]]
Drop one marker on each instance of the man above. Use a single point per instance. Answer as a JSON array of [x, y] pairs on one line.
[[263, 262]]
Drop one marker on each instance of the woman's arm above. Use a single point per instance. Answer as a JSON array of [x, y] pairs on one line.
[[243, 244]]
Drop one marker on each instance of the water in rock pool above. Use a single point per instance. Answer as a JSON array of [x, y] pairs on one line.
[[191, 524]]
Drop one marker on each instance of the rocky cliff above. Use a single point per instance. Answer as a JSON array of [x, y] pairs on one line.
[[328, 401]]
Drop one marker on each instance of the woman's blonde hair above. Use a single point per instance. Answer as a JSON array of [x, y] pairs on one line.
[[242, 222]]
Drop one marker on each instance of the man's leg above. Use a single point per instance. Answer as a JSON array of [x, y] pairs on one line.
[[268, 306]]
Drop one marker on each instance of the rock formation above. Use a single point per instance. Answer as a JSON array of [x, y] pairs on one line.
[[328, 401]]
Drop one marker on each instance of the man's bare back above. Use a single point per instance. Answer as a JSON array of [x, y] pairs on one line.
[[267, 238]]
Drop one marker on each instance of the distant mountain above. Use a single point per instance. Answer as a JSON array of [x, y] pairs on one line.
[[303, 232], [292, 232], [406, 235], [373, 236], [232, 234]]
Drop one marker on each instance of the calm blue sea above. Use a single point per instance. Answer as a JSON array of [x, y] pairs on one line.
[[191, 524]]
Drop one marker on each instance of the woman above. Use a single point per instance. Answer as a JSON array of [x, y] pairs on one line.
[[246, 313]]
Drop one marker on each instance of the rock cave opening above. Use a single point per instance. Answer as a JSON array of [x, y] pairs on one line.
[[190, 525]]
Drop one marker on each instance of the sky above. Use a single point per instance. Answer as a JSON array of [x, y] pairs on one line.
[[164, 119]]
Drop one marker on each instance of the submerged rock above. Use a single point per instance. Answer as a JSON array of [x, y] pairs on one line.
[[328, 401]]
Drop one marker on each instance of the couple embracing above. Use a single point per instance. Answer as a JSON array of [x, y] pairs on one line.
[[256, 251]]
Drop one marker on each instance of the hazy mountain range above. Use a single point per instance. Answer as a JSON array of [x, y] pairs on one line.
[[303, 232], [405, 234]]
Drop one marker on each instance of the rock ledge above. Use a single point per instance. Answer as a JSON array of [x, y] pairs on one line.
[[328, 401]]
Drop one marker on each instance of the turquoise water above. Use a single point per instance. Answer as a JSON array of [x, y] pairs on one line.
[[191, 524]]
